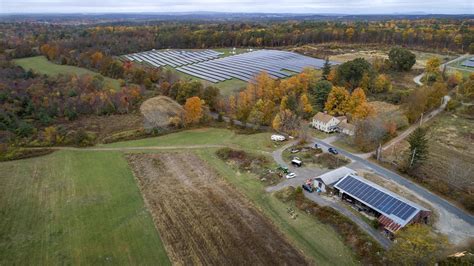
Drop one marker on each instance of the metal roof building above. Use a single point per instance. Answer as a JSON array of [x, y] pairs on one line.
[[394, 211]]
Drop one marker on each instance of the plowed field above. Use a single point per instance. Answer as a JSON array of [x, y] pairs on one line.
[[203, 220]]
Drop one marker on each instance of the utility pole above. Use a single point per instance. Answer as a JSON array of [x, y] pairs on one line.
[[412, 157]]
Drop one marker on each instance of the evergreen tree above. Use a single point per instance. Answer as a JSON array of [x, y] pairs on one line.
[[418, 147], [326, 69]]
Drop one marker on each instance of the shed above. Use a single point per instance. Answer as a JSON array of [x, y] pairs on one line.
[[330, 178]]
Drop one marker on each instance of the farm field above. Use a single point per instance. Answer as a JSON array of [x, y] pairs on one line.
[[75, 207], [318, 241], [92, 177], [203, 220], [41, 65], [448, 168]]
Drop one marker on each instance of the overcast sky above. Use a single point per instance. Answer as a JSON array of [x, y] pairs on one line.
[[266, 6]]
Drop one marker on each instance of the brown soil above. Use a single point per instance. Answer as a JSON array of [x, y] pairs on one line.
[[203, 220]]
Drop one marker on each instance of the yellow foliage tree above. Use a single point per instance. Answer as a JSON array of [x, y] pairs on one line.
[[417, 245], [382, 84], [433, 64], [193, 110], [306, 105], [338, 102], [96, 58], [359, 108]]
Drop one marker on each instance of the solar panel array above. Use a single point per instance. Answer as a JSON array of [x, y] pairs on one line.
[[468, 62], [172, 58], [247, 65], [376, 198]]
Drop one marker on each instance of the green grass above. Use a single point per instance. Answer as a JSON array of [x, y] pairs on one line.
[[318, 241], [75, 207], [230, 86], [457, 66], [42, 65], [205, 136]]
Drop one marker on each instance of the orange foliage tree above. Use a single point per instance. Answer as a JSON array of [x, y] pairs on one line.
[[192, 110]]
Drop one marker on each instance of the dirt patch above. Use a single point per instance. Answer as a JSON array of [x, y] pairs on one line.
[[157, 111], [201, 219]]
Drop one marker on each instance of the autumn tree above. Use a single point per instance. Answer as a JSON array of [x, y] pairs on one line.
[[401, 59], [417, 244], [369, 133], [382, 84], [338, 102], [432, 70], [306, 108], [96, 58], [193, 110], [286, 121], [358, 106]]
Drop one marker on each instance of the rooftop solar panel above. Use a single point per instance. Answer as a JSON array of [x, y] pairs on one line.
[[381, 200]]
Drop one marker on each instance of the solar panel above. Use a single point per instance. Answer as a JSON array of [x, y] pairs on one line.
[[376, 198]]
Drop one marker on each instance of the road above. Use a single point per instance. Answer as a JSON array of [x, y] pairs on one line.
[[412, 128], [418, 78], [453, 216], [304, 173]]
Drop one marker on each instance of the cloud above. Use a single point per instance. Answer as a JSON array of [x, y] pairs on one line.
[[266, 6]]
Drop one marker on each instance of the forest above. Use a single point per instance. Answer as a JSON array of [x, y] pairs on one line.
[[31, 101]]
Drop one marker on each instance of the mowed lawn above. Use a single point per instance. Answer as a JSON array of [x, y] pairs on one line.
[[206, 136], [42, 65], [75, 207]]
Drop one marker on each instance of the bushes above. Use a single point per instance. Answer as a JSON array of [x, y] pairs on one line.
[[243, 160], [367, 250]]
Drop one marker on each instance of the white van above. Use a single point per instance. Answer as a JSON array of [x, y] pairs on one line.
[[278, 138]]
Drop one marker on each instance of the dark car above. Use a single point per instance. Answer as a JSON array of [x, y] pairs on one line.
[[333, 151], [316, 146], [307, 188]]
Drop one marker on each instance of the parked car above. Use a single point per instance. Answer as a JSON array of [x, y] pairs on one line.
[[316, 146], [295, 150], [278, 138], [290, 175], [307, 188], [333, 151], [296, 162]]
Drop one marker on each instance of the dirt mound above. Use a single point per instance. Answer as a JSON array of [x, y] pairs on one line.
[[202, 220], [157, 111]]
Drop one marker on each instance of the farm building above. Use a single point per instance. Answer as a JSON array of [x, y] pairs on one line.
[[328, 123], [327, 180], [392, 211]]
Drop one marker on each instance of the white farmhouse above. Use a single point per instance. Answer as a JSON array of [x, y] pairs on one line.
[[324, 122]]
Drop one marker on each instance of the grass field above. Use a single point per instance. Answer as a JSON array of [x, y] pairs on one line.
[[84, 207], [75, 208], [41, 65], [205, 136]]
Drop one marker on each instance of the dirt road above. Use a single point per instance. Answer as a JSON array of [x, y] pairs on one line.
[[204, 221]]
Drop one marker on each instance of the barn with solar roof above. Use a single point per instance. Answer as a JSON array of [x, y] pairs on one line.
[[392, 211]]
